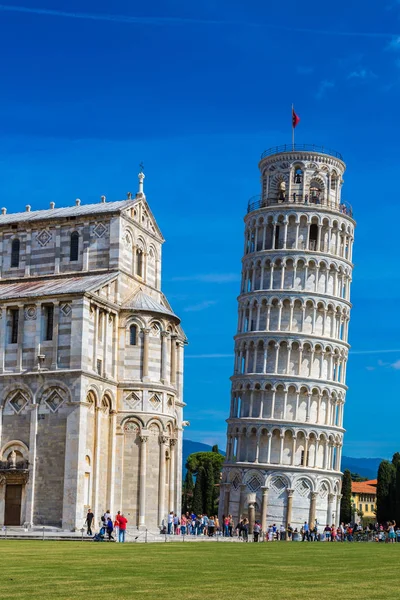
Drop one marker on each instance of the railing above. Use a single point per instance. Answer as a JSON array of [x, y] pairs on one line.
[[257, 202], [301, 148], [20, 465]]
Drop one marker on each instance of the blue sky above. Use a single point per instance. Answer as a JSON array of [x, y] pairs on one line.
[[197, 91]]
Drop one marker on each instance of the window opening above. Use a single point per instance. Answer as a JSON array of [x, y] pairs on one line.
[[15, 246], [74, 246]]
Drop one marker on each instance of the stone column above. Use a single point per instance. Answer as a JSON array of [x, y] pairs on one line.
[[264, 508], [30, 488], [173, 360], [145, 366], [172, 506], [252, 516], [161, 487], [21, 336], [3, 337], [96, 470], [105, 343], [111, 479], [164, 356], [289, 506], [142, 480], [313, 508], [331, 498], [95, 330], [241, 499], [56, 318], [338, 501], [57, 250]]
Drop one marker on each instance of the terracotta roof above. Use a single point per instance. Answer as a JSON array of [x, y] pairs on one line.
[[362, 487], [372, 482], [54, 286], [69, 211], [142, 301]]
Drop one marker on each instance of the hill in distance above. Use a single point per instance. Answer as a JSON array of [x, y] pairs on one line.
[[366, 467]]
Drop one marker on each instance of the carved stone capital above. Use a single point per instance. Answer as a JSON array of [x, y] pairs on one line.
[[143, 438], [290, 492]]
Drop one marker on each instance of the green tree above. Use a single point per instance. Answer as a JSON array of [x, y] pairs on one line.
[[345, 505], [198, 492], [208, 489], [397, 494], [215, 448], [357, 477], [385, 491], [188, 486]]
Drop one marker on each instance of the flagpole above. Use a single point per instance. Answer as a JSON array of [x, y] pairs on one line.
[[292, 129]]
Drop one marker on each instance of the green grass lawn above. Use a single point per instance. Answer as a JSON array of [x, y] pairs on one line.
[[61, 570]]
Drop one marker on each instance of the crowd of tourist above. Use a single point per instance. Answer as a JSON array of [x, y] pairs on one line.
[[191, 524]]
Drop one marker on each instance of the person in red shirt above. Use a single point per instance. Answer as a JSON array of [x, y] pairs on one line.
[[122, 527]]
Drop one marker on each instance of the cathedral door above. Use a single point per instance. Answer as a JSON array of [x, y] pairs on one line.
[[12, 512]]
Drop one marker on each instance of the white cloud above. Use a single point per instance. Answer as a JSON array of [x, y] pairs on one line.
[[396, 365], [361, 74], [210, 277], [394, 43], [324, 85], [200, 306]]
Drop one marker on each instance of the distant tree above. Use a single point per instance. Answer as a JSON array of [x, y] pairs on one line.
[[188, 486], [357, 477], [397, 495], [345, 505], [396, 459], [208, 489], [197, 505], [215, 448], [385, 491], [207, 466]]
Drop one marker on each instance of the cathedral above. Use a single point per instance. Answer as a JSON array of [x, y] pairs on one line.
[[91, 367]]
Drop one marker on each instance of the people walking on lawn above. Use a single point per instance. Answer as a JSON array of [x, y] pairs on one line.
[[89, 521], [116, 525], [305, 531], [392, 534], [122, 522], [256, 531]]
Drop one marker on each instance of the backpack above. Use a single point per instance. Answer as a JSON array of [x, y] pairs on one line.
[[103, 519]]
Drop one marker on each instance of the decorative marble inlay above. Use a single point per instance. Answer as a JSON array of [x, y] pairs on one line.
[[100, 230], [54, 398], [66, 309], [43, 237], [131, 427], [30, 313], [236, 482], [155, 402], [18, 401], [131, 400], [254, 484]]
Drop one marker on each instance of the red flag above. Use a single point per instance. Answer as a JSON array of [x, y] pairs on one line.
[[295, 119]]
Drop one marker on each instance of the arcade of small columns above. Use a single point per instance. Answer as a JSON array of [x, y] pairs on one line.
[[296, 273], [294, 315], [300, 232], [291, 358], [288, 403], [284, 446], [167, 500], [226, 491]]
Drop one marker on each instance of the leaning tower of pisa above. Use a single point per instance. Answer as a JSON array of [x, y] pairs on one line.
[[285, 428]]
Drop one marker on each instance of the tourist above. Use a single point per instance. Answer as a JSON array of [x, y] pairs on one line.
[[197, 525], [327, 533], [392, 535], [110, 528], [230, 526], [122, 521], [333, 533], [256, 531], [305, 531], [217, 526], [245, 530], [170, 522], [226, 526], [116, 525], [89, 521], [183, 524], [289, 532], [204, 524], [176, 524], [282, 532], [270, 533], [211, 526]]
